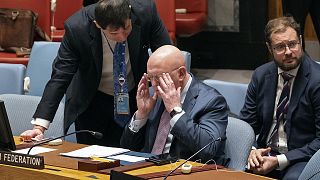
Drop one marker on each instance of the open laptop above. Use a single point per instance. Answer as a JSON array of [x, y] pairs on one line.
[[6, 137]]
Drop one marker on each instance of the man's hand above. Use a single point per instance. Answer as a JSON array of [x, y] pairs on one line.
[[168, 92], [269, 163], [36, 132], [260, 161], [145, 102], [255, 158]]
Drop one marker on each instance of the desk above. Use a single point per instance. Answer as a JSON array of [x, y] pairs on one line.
[[55, 169], [12, 58]]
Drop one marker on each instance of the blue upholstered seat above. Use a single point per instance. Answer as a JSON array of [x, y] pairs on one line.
[[11, 78], [234, 93], [240, 138], [40, 66], [312, 169], [20, 109]]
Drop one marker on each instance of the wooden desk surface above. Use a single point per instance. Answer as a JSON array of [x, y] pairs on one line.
[[55, 169]]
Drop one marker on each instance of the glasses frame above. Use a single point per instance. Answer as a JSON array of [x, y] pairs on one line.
[[281, 48], [157, 76]]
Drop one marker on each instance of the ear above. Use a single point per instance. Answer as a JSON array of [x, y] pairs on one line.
[[97, 25], [182, 72]]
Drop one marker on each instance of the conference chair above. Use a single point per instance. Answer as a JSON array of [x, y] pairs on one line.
[[187, 58], [234, 93], [166, 10], [312, 169], [62, 11], [191, 16], [40, 66], [20, 109], [39, 71], [11, 78], [240, 138]]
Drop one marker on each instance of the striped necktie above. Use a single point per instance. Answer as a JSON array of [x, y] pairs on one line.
[[278, 139], [162, 133]]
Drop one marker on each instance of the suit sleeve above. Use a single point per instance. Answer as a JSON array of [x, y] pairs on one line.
[[159, 34], [307, 151], [249, 111], [210, 122], [133, 140], [63, 68]]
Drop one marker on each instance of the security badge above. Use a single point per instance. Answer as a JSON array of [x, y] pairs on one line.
[[122, 98]]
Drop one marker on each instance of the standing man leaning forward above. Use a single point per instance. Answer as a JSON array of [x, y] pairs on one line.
[[283, 104], [83, 68], [198, 113]]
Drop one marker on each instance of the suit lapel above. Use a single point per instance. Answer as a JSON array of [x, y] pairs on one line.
[[271, 81], [300, 83], [96, 44], [191, 96], [134, 42]]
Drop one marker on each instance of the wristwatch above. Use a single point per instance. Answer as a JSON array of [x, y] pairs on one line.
[[176, 110]]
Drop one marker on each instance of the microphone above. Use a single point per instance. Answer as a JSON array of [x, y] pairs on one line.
[[97, 135], [211, 142]]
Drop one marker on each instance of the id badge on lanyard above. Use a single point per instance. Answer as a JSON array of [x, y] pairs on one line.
[[122, 98]]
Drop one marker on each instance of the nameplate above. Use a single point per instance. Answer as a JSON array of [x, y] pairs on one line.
[[21, 160]]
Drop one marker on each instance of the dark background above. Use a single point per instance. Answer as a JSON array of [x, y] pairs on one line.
[[231, 50]]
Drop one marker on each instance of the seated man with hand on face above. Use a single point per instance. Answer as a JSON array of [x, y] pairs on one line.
[[182, 116]]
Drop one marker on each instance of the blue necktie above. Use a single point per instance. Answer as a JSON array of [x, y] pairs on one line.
[[120, 81], [281, 112]]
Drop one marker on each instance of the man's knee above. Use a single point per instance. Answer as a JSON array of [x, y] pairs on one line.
[[293, 172]]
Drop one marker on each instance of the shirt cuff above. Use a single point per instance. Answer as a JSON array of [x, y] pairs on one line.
[[136, 124], [175, 118], [41, 122], [283, 161]]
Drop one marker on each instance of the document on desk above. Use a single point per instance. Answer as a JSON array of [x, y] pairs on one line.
[[95, 150], [34, 150], [124, 157]]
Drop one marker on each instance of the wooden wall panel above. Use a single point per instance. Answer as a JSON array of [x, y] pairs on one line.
[[275, 10]]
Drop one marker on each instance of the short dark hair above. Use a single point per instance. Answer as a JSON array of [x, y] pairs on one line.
[[112, 12], [280, 25]]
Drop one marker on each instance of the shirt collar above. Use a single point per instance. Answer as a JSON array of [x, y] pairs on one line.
[[292, 72]]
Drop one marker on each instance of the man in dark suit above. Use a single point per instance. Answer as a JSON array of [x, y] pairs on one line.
[[198, 113], [300, 9], [83, 67], [283, 104]]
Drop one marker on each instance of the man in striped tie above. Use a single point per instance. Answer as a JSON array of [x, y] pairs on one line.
[[283, 104]]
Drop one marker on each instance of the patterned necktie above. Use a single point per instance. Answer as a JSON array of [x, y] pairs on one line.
[[278, 139], [162, 133], [120, 81]]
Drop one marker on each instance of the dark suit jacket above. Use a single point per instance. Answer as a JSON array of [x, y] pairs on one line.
[[78, 64], [303, 118], [205, 119]]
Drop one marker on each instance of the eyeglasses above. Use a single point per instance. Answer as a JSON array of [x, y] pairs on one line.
[[282, 47], [156, 77]]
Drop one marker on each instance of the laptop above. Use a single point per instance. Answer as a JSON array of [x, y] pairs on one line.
[[6, 137]]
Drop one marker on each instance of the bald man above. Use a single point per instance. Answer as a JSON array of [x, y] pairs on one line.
[[181, 116]]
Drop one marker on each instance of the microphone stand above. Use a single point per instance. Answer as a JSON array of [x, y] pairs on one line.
[[97, 135], [213, 141]]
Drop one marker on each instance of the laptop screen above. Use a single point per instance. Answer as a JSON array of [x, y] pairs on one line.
[[6, 137]]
